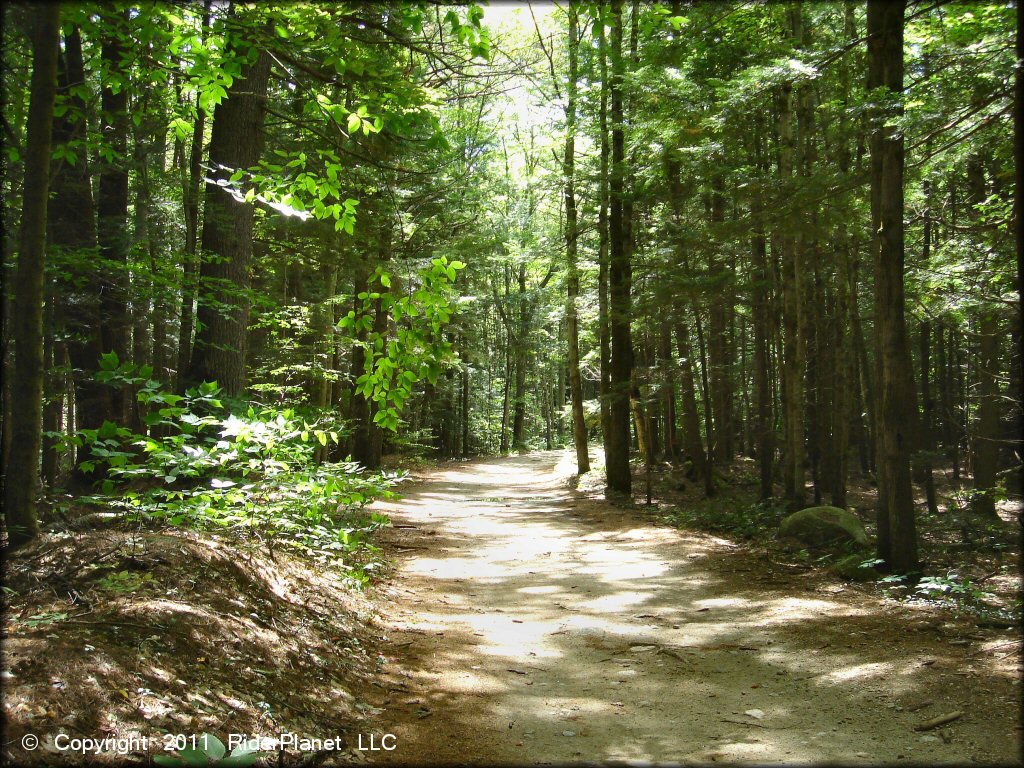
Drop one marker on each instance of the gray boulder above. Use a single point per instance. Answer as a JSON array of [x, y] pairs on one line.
[[822, 526]]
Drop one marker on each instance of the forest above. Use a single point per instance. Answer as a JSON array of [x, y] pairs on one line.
[[687, 333]]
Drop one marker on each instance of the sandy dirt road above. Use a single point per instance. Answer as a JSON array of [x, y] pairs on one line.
[[528, 624]]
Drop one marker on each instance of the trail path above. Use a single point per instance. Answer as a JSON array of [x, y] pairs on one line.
[[529, 624]]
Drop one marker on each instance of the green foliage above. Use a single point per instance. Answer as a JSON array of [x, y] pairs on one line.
[[207, 749], [415, 352], [730, 514], [253, 472], [42, 619], [124, 582], [948, 589]]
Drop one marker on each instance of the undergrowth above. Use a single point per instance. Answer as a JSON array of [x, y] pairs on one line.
[[251, 469]]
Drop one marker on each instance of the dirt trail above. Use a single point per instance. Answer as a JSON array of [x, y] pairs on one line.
[[529, 624]]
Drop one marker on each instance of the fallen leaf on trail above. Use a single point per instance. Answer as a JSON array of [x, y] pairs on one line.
[[757, 714]]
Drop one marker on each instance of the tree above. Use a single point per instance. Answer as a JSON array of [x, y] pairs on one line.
[[579, 428], [619, 278], [113, 235], [236, 143], [21, 475], [897, 534]]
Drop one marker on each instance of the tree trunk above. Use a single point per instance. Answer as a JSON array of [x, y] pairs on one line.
[[190, 268], [620, 277], [71, 223], [897, 533], [759, 301], [1018, 217], [236, 143], [579, 426], [604, 332], [720, 448], [21, 475], [692, 444], [792, 361], [986, 432], [112, 215], [670, 444]]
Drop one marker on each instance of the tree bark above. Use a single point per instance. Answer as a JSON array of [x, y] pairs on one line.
[[792, 361], [897, 533], [71, 222], [986, 432], [604, 332], [190, 194], [579, 426], [764, 434], [236, 143], [21, 475], [692, 444], [112, 214], [1018, 217], [620, 277]]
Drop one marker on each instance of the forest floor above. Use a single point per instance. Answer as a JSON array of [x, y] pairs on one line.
[[524, 621], [529, 623]]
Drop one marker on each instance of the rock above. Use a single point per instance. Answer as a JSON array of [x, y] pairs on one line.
[[821, 526]]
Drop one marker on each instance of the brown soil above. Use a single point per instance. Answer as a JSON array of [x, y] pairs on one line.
[[122, 634], [530, 624], [525, 623]]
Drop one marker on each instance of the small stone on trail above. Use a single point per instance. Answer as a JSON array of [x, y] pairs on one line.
[[568, 733]]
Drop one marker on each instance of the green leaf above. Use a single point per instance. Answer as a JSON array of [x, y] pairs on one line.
[[109, 361], [213, 746], [194, 757]]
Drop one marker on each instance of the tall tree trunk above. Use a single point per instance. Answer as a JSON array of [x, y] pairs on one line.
[[190, 267], [358, 405], [579, 426], [620, 277], [1018, 217], [845, 367], [792, 361], [759, 301], [670, 444], [112, 213], [21, 474], [71, 222], [720, 380], [986, 432], [897, 533], [604, 331], [522, 361], [692, 444], [464, 395], [236, 143]]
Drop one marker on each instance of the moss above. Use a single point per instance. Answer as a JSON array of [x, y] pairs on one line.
[[822, 526]]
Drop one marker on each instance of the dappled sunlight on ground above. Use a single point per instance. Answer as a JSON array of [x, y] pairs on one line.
[[541, 625]]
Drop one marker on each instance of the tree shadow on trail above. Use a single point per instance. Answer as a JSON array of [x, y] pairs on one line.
[[537, 613]]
